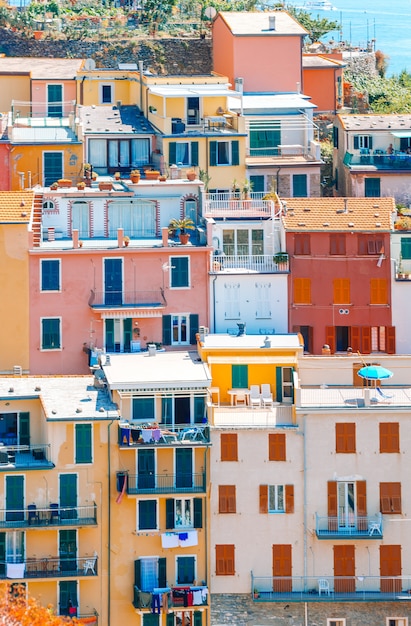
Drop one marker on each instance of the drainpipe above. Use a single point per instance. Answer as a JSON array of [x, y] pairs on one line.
[[140, 69], [214, 279], [109, 523]]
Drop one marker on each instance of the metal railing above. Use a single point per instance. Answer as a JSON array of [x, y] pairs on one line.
[[254, 262], [398, 161], [226, 205], [353, 526], [34, 516], [50, 567], [161, 434], [25, 456], [166, 483], [176, 597], [126, 298], [323, 588]]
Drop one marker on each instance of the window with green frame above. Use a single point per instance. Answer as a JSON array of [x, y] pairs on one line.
[[143, 409], [372, 187], [406, 247], [50, 333], [84, 448], [265, 141], [257, 183], [224, 153], [50, 275], [180, 271], [239, 376], [199, 409], [185, 570], [147, 515], [299, 185], [53, 167]]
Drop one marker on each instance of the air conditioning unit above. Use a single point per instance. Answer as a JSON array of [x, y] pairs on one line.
[[203, 331], [17, 370]]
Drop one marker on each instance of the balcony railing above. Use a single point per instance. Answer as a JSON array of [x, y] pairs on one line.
[[262, 263], [330, 588], [50, 567], [126, 299], [166, 483], [354, 527], [25, 457], [53, 515], [187, 596], [398, 161], [230, 205], [143, 434]]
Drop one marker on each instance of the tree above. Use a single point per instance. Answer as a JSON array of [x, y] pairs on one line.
[[18, 610], [316, 27]]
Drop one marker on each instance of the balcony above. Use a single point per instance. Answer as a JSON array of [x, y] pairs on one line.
[[143, 434], [163, 483], [30, 457], [331, 588], [45, 517], [359, 527], [50, 567], [226, 205], [177, 597], [248, 263], [122, 299], [396, 161]]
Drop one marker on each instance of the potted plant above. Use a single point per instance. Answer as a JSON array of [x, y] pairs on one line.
[[191, 174], [205, 178], [126, 240], [64, 182], [281, 260], [256, 593], [54, 186], [152, 174], [162, 178], [246, 188], [81, 185], [117, 175], [182, 225], [135, 176], [152, 109], [105, 185]]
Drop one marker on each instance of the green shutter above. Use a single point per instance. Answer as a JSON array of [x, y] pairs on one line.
[[199, 409], [162, 572], [194, 153], [172, 153], [356, 142], [24, 429], [127, 327], [257, 182], [83, 443], [109, 335], [137, 573], [170, 619], [213, 153], [14, 498], [239, 376], [167, 330], [2, 554], [193, 328], [279, 384], [151, 619], [169, 513], [406, 247], [235, 153], [198, 618], [198, 513], [300, 185]]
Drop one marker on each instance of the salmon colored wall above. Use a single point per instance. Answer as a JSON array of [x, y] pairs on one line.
[[39, 94], [29, 158], [4, 167], [14, 311], [323, 269], [81, 271], [320, 85], [223, 51]]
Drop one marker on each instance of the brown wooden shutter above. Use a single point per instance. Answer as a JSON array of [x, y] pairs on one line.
[[332, 498], [263, 498], [395, 497], [385, 501], [276, 447], [350, 444], [355, 341], [231, 499], [362, 505], [366, 339], [389, 437], [289, 498], [390, 339], [330, 337]]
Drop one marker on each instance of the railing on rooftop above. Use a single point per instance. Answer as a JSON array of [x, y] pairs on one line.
[[33, 113], [231, 205], [161, 434], [323, 588], [261, 263], [397, 161]]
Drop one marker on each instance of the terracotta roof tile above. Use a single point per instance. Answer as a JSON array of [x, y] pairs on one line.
[[16, 207], [338, 214]]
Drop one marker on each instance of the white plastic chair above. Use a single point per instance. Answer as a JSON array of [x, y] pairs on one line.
[[241, 397], [266, 395], [255, 396], [323, 586], [90, 565]]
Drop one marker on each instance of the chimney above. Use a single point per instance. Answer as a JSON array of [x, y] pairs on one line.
[[152, 349], [239, 84], [271, 22], [241, 329]]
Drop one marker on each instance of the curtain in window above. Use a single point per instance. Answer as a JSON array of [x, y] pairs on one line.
[[223, 153], [124, 160], [97, 152], [80, 219], [113, 154], [149, 574], [139, 152], [182, 156]]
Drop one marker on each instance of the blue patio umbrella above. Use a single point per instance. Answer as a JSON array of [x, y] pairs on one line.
[[374, 372]]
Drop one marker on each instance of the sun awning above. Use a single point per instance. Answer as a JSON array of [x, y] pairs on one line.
[[401, 133]]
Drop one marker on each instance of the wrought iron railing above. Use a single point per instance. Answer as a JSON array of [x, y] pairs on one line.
[[50, 567], [126, 298], [354, 526], [54, 514], [166, 483], [254, 262], [24, 456]]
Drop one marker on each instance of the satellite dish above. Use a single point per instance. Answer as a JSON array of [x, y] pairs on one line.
[[89, 64], [210, 12]]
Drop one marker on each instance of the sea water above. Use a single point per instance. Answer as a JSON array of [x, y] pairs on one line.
[[362, 21]]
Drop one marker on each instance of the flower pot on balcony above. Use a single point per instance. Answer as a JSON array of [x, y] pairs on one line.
[[38, 34], [184, 237], [152, 174], [191, 175], [105, 186], [64, 183]]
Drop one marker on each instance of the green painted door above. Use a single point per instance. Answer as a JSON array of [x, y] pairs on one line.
[[68, 551], [14, 498], [184, 468], [68, 496]]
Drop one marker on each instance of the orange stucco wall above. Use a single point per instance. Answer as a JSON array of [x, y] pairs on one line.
[[321, 86], [4, 167]]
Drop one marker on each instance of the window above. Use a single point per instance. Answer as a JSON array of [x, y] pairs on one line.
[[180, 272], [302, 290], [117, 154], [147, 515], [369, 245], [345, 437], [406, 247], [83, 443], [183, 153], [390, 497], [239, 376], [335, 136], [80, 218], [276, 447], [337, 243], [389, 437], [372, 187], [229, 447], [50, 333], [50, 275], [397, 621], [335, 622], [150, 572], [300, 186], [54, 100], [265, 137], [362, 141], [106, 94], [302, 244], [307, 333], [276, 498], [226, 499], [180, 329], [243, 241], [143, 409], [224, 153], [378, 291], [257, 183], [52, 167], [224, 560], [184, 513], [186, 574], [341, 288]]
